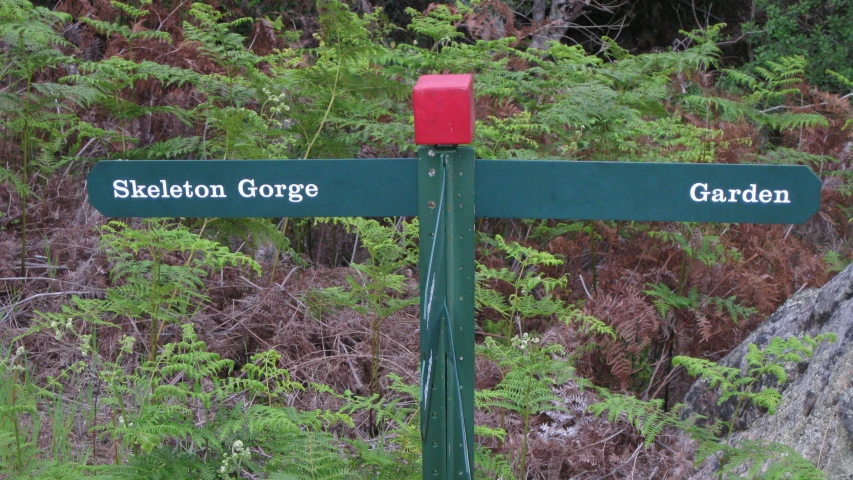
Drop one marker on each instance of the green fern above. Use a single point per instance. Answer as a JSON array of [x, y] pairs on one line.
[[437, 25], [377, 289], [835, 261], [261, 235], [18, 403], [190, 359], [9, 178], [111, 80], [766, 90], [491, 465], [264, 377], [50, 470], [130, 15], [316, 456], [768, 461], [35, 114], [647, 417], [178, 147], [524, 278], [164, 293], [163, 463], [683, 300], [545, 232], [529, 373], [511, 137], [395, 451], [345, 91], [219, 43], [733, 383], [760, 362]]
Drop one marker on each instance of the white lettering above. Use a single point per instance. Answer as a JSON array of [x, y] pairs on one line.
[[719, 195], [120, 189], [752, 194], [137, 190], [294, 190], [703, 192], [732, 194], [250, 193], [700, 192], [130, 189]]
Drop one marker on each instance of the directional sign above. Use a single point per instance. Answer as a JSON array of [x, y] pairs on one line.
[[504, 188], [254, 188], [447, 188], [646, 191]]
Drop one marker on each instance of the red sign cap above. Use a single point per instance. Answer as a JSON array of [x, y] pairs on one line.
[[444, 109]]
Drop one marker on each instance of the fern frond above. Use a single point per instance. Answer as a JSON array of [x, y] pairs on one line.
[[791, 120], [647, 417], [177, 147], [790, 156], [665, 299], [49, 470], [769, 460], [161, 464]]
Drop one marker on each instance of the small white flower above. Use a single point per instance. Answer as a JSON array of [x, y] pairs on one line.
[[20, 351]]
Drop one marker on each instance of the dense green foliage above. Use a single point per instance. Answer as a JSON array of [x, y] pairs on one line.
[[818, 30]]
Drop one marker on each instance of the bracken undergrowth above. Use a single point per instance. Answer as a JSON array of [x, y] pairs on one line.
[[287, 348]]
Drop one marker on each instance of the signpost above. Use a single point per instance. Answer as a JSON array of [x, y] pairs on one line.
[[447, 188]]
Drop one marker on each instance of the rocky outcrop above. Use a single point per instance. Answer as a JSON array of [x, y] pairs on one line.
[[815, 416]]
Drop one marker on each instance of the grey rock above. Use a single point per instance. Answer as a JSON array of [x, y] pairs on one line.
[[815, 416]]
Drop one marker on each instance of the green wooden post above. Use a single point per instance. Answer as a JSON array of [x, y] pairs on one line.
[[446, 210]]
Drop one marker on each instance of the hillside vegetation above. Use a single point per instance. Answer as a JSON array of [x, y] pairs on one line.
[[287, 348]]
